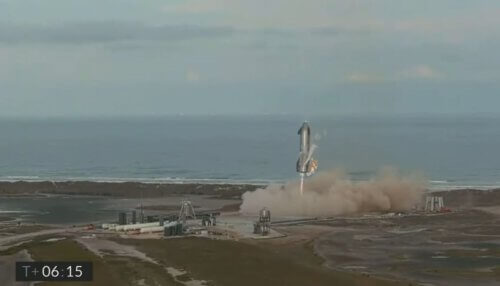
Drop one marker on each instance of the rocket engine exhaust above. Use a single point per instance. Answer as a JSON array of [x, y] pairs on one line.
[[332, 193]]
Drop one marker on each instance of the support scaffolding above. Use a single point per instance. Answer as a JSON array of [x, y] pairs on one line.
[[186, 212], [434, 204], [263, 226]]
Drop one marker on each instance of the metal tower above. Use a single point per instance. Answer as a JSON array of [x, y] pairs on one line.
[[187, 211]]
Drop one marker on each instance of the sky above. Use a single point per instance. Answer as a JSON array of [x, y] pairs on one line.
[[109, 58]]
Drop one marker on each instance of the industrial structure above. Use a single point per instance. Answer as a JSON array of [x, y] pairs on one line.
[[122, 218], [263, 225], [186, 221], [434, 204], [209, 220], [173, 229], [134, 217], [186, 212]]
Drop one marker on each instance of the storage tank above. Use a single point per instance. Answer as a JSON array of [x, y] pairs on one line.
[[140, 225], [172, 229], [134, 217], [151, 229], [265, 215], [108, 225], [122, 218]]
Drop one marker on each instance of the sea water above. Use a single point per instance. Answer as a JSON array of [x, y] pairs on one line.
[[450, 151]]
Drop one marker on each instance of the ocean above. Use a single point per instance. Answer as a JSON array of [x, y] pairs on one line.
[[450, 151]]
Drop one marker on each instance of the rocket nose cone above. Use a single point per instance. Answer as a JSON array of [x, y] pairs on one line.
[[304, 127]]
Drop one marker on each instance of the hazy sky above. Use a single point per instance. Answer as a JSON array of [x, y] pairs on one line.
[[152, 57]]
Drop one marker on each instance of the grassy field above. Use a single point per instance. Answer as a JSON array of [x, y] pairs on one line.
[[108, 271], [25, 228], [235, 263], [218, 262], [5, 218]]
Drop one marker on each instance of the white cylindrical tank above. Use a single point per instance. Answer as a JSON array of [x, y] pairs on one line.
[[108, 225], [151, 229], [140, 225], [172, 223]]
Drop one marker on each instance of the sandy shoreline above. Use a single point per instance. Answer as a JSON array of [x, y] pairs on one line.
[[125, 189], [453, 197]]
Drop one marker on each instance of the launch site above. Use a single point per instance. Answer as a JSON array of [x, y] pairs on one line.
[[249, 143], [319, 230]]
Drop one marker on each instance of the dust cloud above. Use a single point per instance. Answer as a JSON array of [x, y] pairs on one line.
[[332, 193]]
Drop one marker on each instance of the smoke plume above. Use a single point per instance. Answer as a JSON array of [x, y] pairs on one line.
[[333, 193]]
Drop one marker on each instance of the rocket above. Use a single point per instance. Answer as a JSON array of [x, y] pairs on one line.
[[306, 164]]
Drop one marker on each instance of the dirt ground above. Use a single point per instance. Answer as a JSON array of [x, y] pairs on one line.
[[125, 189], [226, 262], [461, 247], [457, 248]]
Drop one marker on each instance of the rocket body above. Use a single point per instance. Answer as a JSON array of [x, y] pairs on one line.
[[305, 155]]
